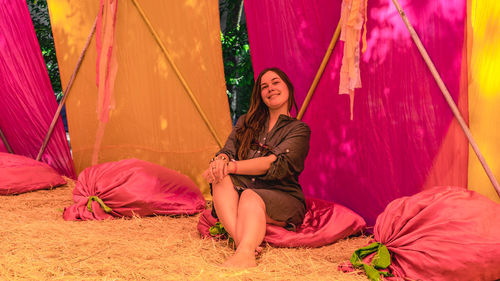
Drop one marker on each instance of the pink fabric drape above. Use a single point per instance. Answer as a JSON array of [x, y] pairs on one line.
[[27, 101], [403, 137]]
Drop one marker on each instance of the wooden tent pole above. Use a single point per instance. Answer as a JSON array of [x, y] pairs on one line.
[[447, 96], [5, 142], [326, 58], [178, 73], [66, 92]]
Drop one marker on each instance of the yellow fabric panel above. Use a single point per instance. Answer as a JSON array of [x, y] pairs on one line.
[[484, 93], [153, 119]]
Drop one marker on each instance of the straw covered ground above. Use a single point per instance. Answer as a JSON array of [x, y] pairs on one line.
[[37, 244]]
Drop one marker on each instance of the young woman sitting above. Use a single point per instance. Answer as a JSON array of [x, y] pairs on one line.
[[254, 177]]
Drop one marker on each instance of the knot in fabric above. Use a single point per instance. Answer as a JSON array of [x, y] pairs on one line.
[[98, 200]]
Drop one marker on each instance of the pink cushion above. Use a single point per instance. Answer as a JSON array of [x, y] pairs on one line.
[[19, 174], [324, 223], [444, 233], [133, 187]]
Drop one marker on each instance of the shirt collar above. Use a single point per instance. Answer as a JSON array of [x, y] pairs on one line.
[[282, 118]]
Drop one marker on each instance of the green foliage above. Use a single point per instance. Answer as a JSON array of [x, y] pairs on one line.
[[237, 61], [41, 22], [217, 230]]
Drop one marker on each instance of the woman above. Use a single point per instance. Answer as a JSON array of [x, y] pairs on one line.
[[255, 176]]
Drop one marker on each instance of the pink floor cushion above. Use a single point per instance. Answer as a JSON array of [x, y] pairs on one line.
[[132, 187], [445, 233], [19, 174], [324, 223]]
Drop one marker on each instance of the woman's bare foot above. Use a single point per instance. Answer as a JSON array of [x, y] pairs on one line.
[[233, 245], [241, 259], [258, 250]]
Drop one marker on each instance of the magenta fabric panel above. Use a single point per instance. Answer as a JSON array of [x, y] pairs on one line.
[[19, 174], [27, 101], [133, 187], [400, 115], [442, 234], [324, 223]]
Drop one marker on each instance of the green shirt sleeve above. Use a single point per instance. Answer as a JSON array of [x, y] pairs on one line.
[[291, 153]]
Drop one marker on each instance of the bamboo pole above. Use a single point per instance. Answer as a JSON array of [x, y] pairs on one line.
[[66, 92], [447, 96], [179, 75], [5, 142], [315, 82]]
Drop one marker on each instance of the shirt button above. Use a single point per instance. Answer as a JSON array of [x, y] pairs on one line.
[[258, 151], [253, 179], [264, 138], [288, 150]]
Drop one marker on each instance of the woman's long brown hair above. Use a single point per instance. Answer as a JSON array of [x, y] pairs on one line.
[[258, 113]]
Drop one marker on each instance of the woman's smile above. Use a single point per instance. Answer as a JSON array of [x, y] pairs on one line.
[[274, 91]]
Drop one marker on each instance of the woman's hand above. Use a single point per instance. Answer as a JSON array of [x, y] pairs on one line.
[[207, 175], [216, 171]]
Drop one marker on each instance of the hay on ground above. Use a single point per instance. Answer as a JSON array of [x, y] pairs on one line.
[[37, 244]]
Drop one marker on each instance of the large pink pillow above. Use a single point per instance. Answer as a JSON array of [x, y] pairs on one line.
[[440, 234], [444, 233], [19, 174], [132, 187], [324, 223]]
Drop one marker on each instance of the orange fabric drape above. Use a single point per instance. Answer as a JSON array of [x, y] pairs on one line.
[[153, 118]]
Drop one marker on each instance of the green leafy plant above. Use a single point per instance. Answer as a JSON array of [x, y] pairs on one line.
[[238, 68], [218, 231], [41, 22]]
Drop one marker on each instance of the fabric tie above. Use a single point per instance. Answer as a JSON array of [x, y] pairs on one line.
[[98, 200], [381, 260]]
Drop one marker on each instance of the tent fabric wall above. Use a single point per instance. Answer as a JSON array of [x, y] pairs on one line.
[[153, 118], [403, 138], [484, 93], [27, 101]]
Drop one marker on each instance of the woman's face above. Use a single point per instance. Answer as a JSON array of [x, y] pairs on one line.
[[274, 91]]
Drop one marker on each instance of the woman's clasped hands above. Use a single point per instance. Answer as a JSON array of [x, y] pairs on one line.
[[217, 169]]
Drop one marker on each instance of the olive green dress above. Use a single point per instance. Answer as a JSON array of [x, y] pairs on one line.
[[279, 187]]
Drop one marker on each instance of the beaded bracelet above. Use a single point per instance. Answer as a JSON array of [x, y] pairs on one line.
[[221, 157]]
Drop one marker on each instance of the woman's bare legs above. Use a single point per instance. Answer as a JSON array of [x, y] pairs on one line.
[[244, 218], [225, 200], [250, 229]]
